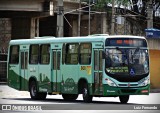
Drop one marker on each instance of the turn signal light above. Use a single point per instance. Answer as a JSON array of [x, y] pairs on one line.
[[144, 91]]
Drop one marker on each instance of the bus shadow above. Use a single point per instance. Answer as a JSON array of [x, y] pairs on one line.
[[70, 102]]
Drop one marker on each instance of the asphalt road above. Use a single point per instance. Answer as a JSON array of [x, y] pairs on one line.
[[20, 100]]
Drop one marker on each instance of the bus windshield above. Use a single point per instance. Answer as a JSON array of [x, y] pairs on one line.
[[127, 61]]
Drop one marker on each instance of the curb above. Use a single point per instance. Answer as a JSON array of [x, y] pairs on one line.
[[3, 83], [155, 91]]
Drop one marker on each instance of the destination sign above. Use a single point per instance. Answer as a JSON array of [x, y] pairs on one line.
[[131, 42]]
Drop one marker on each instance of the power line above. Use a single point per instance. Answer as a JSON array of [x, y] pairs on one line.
[[79, 9]]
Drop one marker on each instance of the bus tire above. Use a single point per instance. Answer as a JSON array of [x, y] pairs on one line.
[[33, 90], [35, 95], [70, 97], [124, 99], [85, 93]]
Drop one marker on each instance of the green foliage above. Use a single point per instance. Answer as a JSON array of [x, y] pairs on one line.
[[100, 5]]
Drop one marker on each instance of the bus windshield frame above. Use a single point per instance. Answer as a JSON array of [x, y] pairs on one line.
[[126, 59]]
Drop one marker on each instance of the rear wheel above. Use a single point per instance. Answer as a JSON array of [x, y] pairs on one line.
[[124, 99], [34, 92], [86, 96], [70, 97]]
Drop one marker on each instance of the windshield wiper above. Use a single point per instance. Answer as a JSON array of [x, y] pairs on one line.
[[137, 49], [124, 53]]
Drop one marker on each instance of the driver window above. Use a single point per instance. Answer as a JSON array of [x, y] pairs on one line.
[[115, 55]]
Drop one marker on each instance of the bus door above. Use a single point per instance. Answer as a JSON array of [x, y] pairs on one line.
[[98, 66], [24, 69], [56, 73], [14, 67]]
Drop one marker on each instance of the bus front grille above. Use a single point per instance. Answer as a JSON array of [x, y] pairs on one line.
[[126, 85], [128, 90]]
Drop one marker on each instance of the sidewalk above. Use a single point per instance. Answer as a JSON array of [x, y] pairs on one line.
[[3, 83], [6, 92]]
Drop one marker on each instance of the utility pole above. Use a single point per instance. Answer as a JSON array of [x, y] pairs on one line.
[[60, 18], [150, 14], [113, 18], [79, 19], [89, 19]]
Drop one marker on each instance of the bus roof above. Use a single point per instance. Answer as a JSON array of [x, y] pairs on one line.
[[56, 40], [46, 39], [126, 36]]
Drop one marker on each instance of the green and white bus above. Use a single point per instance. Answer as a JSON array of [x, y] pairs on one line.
[[94, 66]]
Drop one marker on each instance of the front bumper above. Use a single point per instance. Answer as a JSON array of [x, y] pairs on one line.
[[116, 91]]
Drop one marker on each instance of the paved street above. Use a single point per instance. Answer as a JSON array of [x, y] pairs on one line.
[[55, 102]]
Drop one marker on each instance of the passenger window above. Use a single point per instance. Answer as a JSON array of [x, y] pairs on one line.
[[24, 60], [63, 53], [14, 54], [96, 60], [72, 53], [34, 52], [56, 60], [45, 54], [100, 60], [85, 53]]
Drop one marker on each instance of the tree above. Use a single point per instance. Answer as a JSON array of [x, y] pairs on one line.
[[118, 3], [137, 6], [144, 8]]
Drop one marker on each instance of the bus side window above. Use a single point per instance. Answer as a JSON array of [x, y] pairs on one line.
[[45, 54], [14, 54], [85, 53], [34, 52], [63, 53], [72, 53]]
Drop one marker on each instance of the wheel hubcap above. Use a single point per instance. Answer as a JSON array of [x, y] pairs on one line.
[[33, 90], [85, 91]]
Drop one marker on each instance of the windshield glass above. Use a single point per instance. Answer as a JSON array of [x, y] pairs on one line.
[[127, 61]]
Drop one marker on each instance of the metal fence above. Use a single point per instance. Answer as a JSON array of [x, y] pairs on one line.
[[3, 67]]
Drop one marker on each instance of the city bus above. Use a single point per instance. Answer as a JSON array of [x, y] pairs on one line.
[[94, 66]]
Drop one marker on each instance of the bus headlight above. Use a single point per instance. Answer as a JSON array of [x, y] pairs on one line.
[[145, 82], [110, 82]]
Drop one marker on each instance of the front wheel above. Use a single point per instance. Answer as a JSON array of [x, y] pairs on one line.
[[124, 99], [86, 96], [34, 92]]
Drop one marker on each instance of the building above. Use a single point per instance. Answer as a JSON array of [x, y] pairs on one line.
[[153, 37]]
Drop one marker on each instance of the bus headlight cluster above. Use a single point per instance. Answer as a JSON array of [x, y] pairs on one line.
[[110, 82], [144, 82]]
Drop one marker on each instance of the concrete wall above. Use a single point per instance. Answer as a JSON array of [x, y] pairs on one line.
[[5, 34], [25, 27], [154, 46], [21, 5], [17, 28], [96, 24], [21, 28], [155, 68], [74, 28]]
